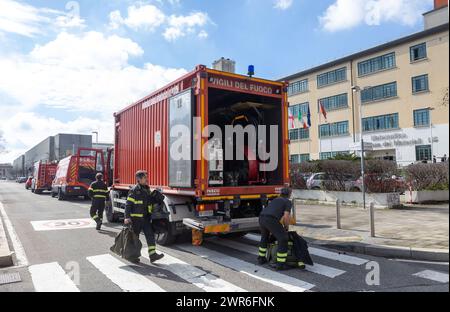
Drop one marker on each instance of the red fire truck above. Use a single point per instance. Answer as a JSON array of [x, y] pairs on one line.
[[210, 194], [43, 175], [76, 172]]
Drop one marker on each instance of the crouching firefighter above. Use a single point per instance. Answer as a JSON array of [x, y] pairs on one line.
[[138, 213], [98, 192], [269, 221]]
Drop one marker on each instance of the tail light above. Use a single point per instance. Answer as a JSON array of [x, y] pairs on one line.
[[207, 207]]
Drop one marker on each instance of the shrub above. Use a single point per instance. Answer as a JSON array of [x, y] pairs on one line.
[[428, 177], [340, 173]]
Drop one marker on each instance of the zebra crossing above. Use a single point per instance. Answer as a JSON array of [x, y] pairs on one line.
[[185, 263]]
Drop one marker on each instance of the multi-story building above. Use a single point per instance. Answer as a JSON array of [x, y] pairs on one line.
[[399, 88]]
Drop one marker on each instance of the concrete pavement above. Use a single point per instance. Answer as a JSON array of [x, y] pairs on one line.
[[78, 259], [414, 232]]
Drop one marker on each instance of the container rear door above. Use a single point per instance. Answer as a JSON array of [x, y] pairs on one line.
[[181, 109]]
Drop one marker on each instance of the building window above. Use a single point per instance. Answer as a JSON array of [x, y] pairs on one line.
[[334, 129], [376, 64], [335, 102], [298, 87], [418, 52], [423, 152], [377, 93], [380, 123], [328, 155], [331, 77], [420, 83], [298, 159], [421, 117], [299, 107], [298, 134]]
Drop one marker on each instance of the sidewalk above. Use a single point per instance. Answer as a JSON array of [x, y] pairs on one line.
[[6, 256], [418, 232]]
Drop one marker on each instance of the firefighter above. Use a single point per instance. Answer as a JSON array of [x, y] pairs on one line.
[[269, 221], [138, 213], [98, 192]]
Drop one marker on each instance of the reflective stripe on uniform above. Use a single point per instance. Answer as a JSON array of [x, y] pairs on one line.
[[137, 215], [134, 201], [282, 255], [150, 208], [151, 250], [99, 191], [95, 217], [281, 260], [99, 196], [262, 252]]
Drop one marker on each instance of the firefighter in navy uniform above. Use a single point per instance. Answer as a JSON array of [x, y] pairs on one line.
[[98, 192], [138, 213], [269, 221]]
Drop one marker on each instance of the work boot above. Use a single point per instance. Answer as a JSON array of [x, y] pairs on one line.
[[301, 265], [262, 260], [155, 257], [99, 224]]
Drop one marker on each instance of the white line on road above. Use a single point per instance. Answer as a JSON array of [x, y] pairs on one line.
[[271, 277], [193, 275], [433, 275], [317, 268], [123, 275], [323, 253], [21, 257], [50, 277]]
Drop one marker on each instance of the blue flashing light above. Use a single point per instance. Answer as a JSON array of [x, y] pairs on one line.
[[251, 70]]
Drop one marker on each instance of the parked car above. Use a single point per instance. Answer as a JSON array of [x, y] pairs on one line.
[[319, 181], [381, 184], [28, 183], [21, 179]]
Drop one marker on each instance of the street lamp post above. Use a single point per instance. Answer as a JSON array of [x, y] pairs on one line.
[[357, 91]]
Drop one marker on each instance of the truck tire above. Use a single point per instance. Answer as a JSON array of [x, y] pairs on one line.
[[111, 216], [60, 194], [166, 238]]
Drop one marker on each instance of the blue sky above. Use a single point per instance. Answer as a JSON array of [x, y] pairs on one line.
[[67, 66]]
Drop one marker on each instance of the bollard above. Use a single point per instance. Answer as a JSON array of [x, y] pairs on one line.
[[338, 214], [372, 219]]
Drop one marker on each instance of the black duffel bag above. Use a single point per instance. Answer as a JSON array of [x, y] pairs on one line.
[[127, 244]]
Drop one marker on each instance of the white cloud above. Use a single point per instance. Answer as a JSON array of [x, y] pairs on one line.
[[346, 14], [27, 20], [146, 17], [88, 73], [181, 25], [149, 17], [283, 4], [23, 130]]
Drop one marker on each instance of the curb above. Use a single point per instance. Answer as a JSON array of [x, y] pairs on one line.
[[6, 256], [400, 252]]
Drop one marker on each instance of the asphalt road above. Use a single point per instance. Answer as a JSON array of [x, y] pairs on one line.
[[51, 257]]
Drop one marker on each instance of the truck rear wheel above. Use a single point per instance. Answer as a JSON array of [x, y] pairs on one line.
[[111, 215], [166, 236]]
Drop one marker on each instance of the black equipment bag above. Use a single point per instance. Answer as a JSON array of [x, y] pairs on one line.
[[127, 244], [297, 251]]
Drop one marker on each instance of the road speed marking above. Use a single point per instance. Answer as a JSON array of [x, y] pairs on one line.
[[69, 224]]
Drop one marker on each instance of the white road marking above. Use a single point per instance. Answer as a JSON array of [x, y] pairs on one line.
[[317, 268], [323, 253], [123, 275], [193, 275], [271, 277], [433, 275], [67, 224], [21, 257], [51, 277], [337, 256]]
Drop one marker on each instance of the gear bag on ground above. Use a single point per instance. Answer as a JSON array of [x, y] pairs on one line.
[[297, 251], [127, 244]]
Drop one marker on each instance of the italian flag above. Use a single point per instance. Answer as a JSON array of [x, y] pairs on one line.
[[291, 120]]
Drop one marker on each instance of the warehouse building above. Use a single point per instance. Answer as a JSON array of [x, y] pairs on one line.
[[399, 88]]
